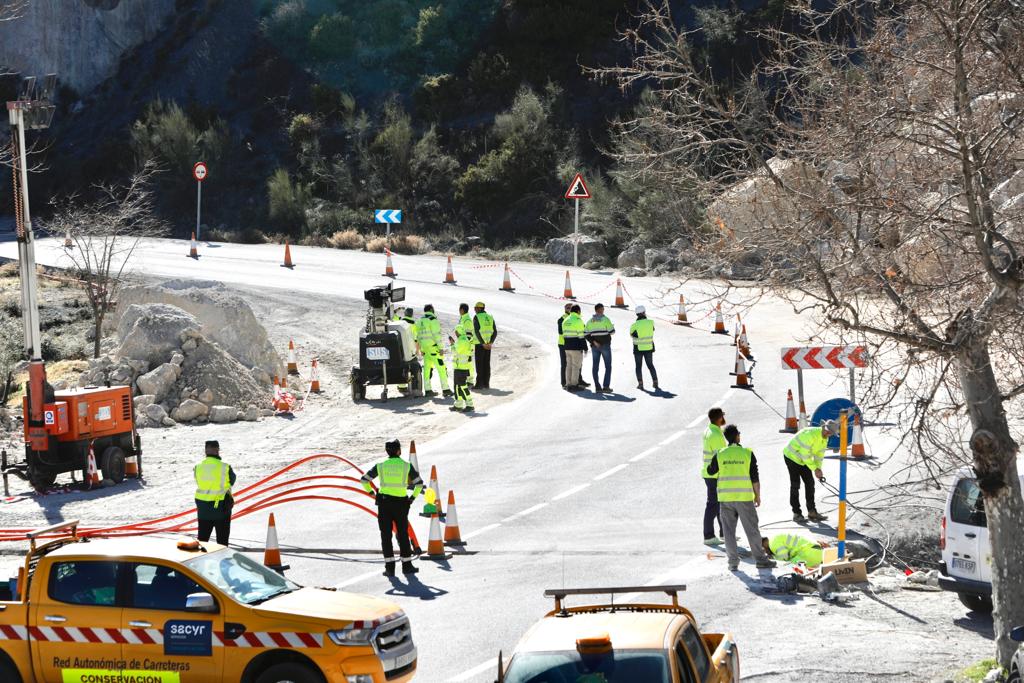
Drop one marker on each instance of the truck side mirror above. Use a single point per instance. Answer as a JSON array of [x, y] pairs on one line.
[[1017, 634], [200, 602]]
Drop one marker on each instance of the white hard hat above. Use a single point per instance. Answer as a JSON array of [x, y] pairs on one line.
[[641, 309]]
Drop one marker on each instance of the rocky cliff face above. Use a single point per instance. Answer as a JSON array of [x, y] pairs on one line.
[[81, 41]]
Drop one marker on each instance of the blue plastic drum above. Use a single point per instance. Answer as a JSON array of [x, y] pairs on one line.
[[829, 410]]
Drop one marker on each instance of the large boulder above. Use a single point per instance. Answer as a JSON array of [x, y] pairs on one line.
[[222, 414], [632, 256], [559, 250], [189, 410], [221, 316], [155, 413], [223, 379], [152, 332], [142, 401], [160, 381], [656, 257]]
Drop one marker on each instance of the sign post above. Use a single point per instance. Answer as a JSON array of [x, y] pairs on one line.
[[802, 358], [577, 190], [843, 421], [199, 173], [387, 216]]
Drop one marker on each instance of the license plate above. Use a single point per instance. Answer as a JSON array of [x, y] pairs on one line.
[[377, 353], [966, 565]]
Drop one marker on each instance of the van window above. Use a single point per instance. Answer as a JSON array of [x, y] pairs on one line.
[[968, 504], [160, 587], [84, 582]]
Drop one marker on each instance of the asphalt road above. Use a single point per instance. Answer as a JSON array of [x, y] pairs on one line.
[[578, 490]]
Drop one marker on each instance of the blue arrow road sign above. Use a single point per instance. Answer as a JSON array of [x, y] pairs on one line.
[[387, 216]]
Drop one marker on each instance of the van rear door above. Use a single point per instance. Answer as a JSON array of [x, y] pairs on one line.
[[967, 533]]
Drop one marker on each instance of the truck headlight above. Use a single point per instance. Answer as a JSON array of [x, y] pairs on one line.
[[351, 636], [359, 678]]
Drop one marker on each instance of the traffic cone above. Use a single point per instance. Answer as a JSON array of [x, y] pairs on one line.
[[314, 378], [857, 443], [743, 344], [791, 425], [193, 249], [414, 459], [272, 552], [451, 523], [620, 301], [506, 283], [389, 270], [736, 332], [719, 321], [92, 474], [802, 420], [287, 256], [437, 489], [435, 545], [293, 364], [567, 293], [742, 381], [449, 275], [681, 315], [131, 466]]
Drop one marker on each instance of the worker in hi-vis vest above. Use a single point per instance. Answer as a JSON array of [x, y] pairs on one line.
[[485, 332], [430, 344], [739, 496], [642, 332], [466, 323], [396, 477], [794, 549], [712, 442], [462, 359], [804, 454], [214, 479]]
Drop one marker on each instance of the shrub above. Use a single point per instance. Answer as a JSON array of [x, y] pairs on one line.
[[302, 129], [376, 245], [315, 239], [401, 243], [333, 37], [347, 239], [287, 202]]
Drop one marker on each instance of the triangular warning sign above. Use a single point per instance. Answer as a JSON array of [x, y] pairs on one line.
[[577, 188]]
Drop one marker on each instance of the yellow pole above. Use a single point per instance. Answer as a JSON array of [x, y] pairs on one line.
[[843, 422]]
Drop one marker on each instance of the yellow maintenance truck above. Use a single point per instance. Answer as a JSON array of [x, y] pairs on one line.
[[168, 609]]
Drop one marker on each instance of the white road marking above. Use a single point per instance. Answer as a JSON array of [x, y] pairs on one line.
[[479, 531], [641, 456], [358, 579], [523, 513], [672, 438], [617, 468], [574, 489], [700, 418], [466, 675]]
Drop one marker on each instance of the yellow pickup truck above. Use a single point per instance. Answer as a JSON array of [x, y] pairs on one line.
[[621, 643], [163, 609]]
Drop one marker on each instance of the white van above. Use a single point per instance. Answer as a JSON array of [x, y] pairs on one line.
[[966, 554]]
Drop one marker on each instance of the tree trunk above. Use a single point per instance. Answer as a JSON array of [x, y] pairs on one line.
[[98, 318], [995, 465]]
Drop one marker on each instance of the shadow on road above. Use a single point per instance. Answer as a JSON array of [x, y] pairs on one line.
[[894, 608], [658, 393], [616, 398], [491, 391], [413, 588], [977, 622], [763, 585]]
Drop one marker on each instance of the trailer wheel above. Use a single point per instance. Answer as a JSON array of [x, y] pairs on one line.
[[112, 464], [40, 480], [358, 388]]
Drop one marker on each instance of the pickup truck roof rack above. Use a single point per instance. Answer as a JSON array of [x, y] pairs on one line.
[[559, 594], [35, 534]]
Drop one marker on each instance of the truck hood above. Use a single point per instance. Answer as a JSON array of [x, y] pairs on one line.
[[335, 609]]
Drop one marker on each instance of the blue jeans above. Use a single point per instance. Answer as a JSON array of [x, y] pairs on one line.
[[597, 353]]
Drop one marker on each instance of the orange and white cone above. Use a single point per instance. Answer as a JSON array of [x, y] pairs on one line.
[[92, 474], [131, 466], [736, 331], [802, 419], [389, 270], [452, 535], [449, 274], [293, 363], [287, 256], [567, 291], [742, 381], [719, 321], [742, 342], [435, 545], [857, 443], [681, 314], [314, 378], [620, 301], [272, 552], [414, 459], [193, 249], [506, 281], [791, 425], [437, 490]]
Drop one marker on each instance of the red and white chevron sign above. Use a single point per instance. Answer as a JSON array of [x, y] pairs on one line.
[[824, 357]]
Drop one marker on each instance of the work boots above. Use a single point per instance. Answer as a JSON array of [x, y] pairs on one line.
[[815, 516], [389, 569], [408, 568]]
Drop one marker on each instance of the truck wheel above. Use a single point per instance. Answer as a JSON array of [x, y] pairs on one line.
[[40, 480], [112, 464], [8, 673], [976, 603], [358, 389], [290, 673]]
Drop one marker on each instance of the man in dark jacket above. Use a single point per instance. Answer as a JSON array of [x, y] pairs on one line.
[[214, 479]]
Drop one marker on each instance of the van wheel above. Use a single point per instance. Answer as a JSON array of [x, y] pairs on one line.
[[290, 673], [976, 603], [8, 673], [112, 464]]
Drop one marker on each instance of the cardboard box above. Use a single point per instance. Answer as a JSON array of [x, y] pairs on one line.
[[846, 571]]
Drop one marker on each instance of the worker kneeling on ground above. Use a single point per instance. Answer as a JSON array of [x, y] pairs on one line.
[[463, 361], [794, 549], [393, 501]]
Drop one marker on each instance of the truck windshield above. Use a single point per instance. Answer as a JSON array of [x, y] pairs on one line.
[[619, 666], [242, 579]]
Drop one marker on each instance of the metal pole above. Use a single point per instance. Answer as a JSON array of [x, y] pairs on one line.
[[199, 204], [853, 388], [576, 238], [800, 395], [27, 264], [843, 422]]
